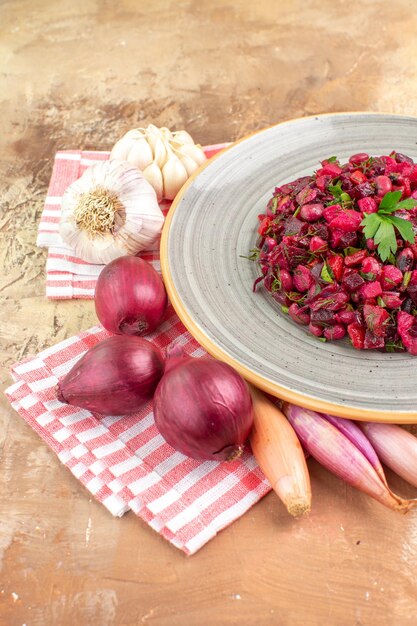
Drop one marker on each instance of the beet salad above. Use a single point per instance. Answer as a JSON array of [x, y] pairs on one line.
[[338, 251]]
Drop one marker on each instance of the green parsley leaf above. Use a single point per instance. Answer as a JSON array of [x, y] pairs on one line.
[[331, 159], [385, 238], [381, 226], [408, 203], [390, 200], [404, 227], [371, 223]]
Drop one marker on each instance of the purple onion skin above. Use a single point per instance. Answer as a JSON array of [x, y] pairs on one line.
[[359, 439], [115, 377], [130, 297], [203, 408]]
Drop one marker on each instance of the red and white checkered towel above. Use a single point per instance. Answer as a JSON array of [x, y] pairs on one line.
[[66, 275], [123, 461]]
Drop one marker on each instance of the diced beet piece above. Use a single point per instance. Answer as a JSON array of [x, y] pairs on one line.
[[370, 290], [413, 278], [358, 158], [375, 319], [348, 221], [331, 212], [356, 333], [332, 333], [364, 190], [281, 298], [330, 169], [317, 244], [367, 205], [383, 185], [405, 260], [286, 280], [357, 177], [345, 316], [283, 205], [306, 196], [264, 226], [302, 278], [356, 258], [371, 245], [294, 226], [322, 317], [315, 329], [331, 302], [391, 299], [311, 212], [323, 181], [373, 341], [321, 230], [340, 239], [412, 293], [352, 281], [335, 263], [298, 315], [269, 244], [406, 326], [391, 276], [403, 158], [371, 266]]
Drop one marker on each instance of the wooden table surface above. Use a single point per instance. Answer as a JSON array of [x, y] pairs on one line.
[[78, 74]]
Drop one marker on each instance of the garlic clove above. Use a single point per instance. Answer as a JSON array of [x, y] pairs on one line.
[[140, 154], [189, 164], [122, 148], [183, 137], [152, 135], [153, 175], [174, 175], [160, 152], [194, 151]]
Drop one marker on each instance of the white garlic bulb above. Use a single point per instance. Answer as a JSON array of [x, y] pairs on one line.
[[110, 211], [166, 158]]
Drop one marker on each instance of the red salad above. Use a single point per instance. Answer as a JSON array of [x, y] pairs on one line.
[[338, 251]]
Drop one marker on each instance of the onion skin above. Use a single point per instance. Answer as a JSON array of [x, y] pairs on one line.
[[203, 408], [115, 377], [130, 297]]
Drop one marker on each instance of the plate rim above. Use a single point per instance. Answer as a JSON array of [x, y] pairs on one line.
[[272, 388]]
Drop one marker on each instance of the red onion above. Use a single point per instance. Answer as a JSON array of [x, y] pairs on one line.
[[114, 377], [130, 297], [203, 408]]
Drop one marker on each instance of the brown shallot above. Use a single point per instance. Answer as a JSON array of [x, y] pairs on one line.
[[279, 454]]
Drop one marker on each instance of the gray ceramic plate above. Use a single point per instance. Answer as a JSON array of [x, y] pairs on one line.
[[212, 226]]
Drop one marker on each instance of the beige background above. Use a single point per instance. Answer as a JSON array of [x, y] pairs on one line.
[[78, 74]]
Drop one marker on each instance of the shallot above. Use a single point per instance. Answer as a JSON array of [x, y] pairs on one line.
[[203, 408], [130, 297], [115, 377], [335, 451], [396, 447], [279, 454]]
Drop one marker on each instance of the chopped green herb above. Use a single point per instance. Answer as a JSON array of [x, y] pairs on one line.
[[381, 226], [326, 273], [284, 309]]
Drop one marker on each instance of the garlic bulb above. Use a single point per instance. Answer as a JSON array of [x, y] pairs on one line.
[[110, 211], [167, 159]]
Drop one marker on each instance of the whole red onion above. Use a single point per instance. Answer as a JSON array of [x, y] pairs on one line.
[[203, 408], [114, 377], [130, 297]]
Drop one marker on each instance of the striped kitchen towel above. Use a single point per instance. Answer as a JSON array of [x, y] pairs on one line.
[[123, 461], [66, 275]]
